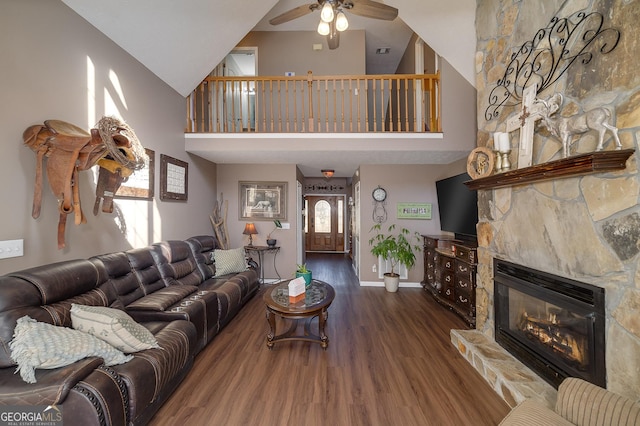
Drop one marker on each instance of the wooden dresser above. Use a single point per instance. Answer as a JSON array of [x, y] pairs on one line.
[[450, 267]]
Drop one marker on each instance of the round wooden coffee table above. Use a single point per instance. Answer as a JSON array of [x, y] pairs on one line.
[[318, 297]]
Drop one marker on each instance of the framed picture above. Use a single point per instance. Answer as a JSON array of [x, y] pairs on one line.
[[174, 179], [263, 200], [140, 184], [413, 211]]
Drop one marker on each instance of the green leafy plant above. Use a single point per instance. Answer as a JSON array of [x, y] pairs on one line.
[[278, 225], [302, 268], [399, 248]]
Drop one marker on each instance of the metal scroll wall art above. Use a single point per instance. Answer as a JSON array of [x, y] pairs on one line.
[[546, 57]]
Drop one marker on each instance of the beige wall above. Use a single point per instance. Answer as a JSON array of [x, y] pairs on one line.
[[46, 48], [404, 183], [229, 175], [275, 57]]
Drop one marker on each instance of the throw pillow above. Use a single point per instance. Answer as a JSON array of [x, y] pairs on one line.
[[113, 326], [41, 345], [229, 261]]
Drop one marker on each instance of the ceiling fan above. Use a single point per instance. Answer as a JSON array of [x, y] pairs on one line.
[[332, 17]]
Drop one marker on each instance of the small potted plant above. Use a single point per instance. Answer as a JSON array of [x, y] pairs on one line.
[[302, 271], [271, 242], [397, 248]]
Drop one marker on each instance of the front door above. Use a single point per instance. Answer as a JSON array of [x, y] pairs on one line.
[[325, 226]]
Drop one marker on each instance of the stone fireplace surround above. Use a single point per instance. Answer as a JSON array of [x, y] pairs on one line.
[[586, 228]]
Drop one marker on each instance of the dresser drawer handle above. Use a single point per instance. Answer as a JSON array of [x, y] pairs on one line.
[[462, 284], [448, 292], [448, 279], [462, 299], [462, 268]]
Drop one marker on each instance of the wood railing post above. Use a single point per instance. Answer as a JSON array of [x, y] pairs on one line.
[[310, 86]]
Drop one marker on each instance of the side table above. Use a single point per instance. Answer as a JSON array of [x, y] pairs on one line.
[[260, 251]]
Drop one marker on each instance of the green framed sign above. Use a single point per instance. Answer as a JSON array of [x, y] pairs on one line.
[[413, 211]]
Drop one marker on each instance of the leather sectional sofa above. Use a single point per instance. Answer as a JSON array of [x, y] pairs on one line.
[[168, 287]]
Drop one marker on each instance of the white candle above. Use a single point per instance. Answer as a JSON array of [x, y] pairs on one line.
[[504, 143], [496, 141]]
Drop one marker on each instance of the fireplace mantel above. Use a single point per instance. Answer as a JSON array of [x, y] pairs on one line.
[[582, 164]]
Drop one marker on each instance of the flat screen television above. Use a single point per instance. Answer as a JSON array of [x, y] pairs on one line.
[[457, 206]]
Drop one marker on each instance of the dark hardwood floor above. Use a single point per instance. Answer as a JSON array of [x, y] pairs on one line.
[[389, 362]]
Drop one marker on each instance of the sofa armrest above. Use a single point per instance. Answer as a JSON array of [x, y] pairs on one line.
[[161, 299], [585, 404], [52, 386], [530, 412]]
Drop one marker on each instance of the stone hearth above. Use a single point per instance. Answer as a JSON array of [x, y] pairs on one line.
[[511, 379]]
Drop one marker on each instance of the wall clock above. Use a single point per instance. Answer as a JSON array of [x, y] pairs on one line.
[[379, 194], [379, 212]]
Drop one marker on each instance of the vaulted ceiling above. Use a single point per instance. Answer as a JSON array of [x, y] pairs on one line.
[[182, 41]]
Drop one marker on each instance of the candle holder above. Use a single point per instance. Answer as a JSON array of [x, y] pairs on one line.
[[506, 164], [498, 165]]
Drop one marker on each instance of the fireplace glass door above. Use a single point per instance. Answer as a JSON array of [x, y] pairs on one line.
[[552, 324]]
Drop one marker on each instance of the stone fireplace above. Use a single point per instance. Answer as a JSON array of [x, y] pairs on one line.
[[583, 228]]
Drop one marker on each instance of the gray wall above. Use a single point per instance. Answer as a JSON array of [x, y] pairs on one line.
[[46, 49]]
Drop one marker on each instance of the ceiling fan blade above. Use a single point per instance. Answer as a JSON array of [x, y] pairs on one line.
[[373, 9], [294, 13]]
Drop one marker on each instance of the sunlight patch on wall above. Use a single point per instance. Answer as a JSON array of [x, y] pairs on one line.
[[91, 93], [115, 81], [136, 221]]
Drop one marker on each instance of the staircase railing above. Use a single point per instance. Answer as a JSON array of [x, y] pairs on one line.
[[321, 104]]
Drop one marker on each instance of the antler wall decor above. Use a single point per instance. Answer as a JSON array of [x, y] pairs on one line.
[[549, 54]]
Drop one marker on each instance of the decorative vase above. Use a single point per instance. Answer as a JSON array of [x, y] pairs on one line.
[[271, 242], [391, 282], [306, 276]]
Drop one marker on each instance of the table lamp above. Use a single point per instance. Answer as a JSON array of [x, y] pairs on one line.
[[250, 230]]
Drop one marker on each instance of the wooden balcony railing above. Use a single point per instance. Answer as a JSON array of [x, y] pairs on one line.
[[367, 103]]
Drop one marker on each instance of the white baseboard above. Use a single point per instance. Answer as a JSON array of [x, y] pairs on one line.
[[381, 284]]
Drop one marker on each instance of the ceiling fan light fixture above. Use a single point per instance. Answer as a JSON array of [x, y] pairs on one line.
[[327, 13], [341, 21], [323, 28]]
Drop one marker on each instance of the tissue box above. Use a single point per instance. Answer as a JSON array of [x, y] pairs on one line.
[[296, 290]]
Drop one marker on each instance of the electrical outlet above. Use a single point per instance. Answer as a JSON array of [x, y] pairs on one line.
[[11, 248], [373, 268]]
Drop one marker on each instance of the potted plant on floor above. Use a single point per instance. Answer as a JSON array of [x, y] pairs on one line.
[[302, 271], [398, 248], [271, 242]]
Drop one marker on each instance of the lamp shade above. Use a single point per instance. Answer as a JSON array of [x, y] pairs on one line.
[[323, 28], [327, 13], [249, 229], [341, 21]]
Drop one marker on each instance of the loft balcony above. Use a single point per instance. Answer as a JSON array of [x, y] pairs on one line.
[[393, 103]]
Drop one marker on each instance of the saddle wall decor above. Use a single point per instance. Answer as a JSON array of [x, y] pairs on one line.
[[69, 149]]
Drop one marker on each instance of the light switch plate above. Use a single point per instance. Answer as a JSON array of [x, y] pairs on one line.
[[11, 248]]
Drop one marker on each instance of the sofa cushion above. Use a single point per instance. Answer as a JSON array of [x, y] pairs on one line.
[[113, 326], [585, 404], [229, 261], [41, 345], [530, 412]]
